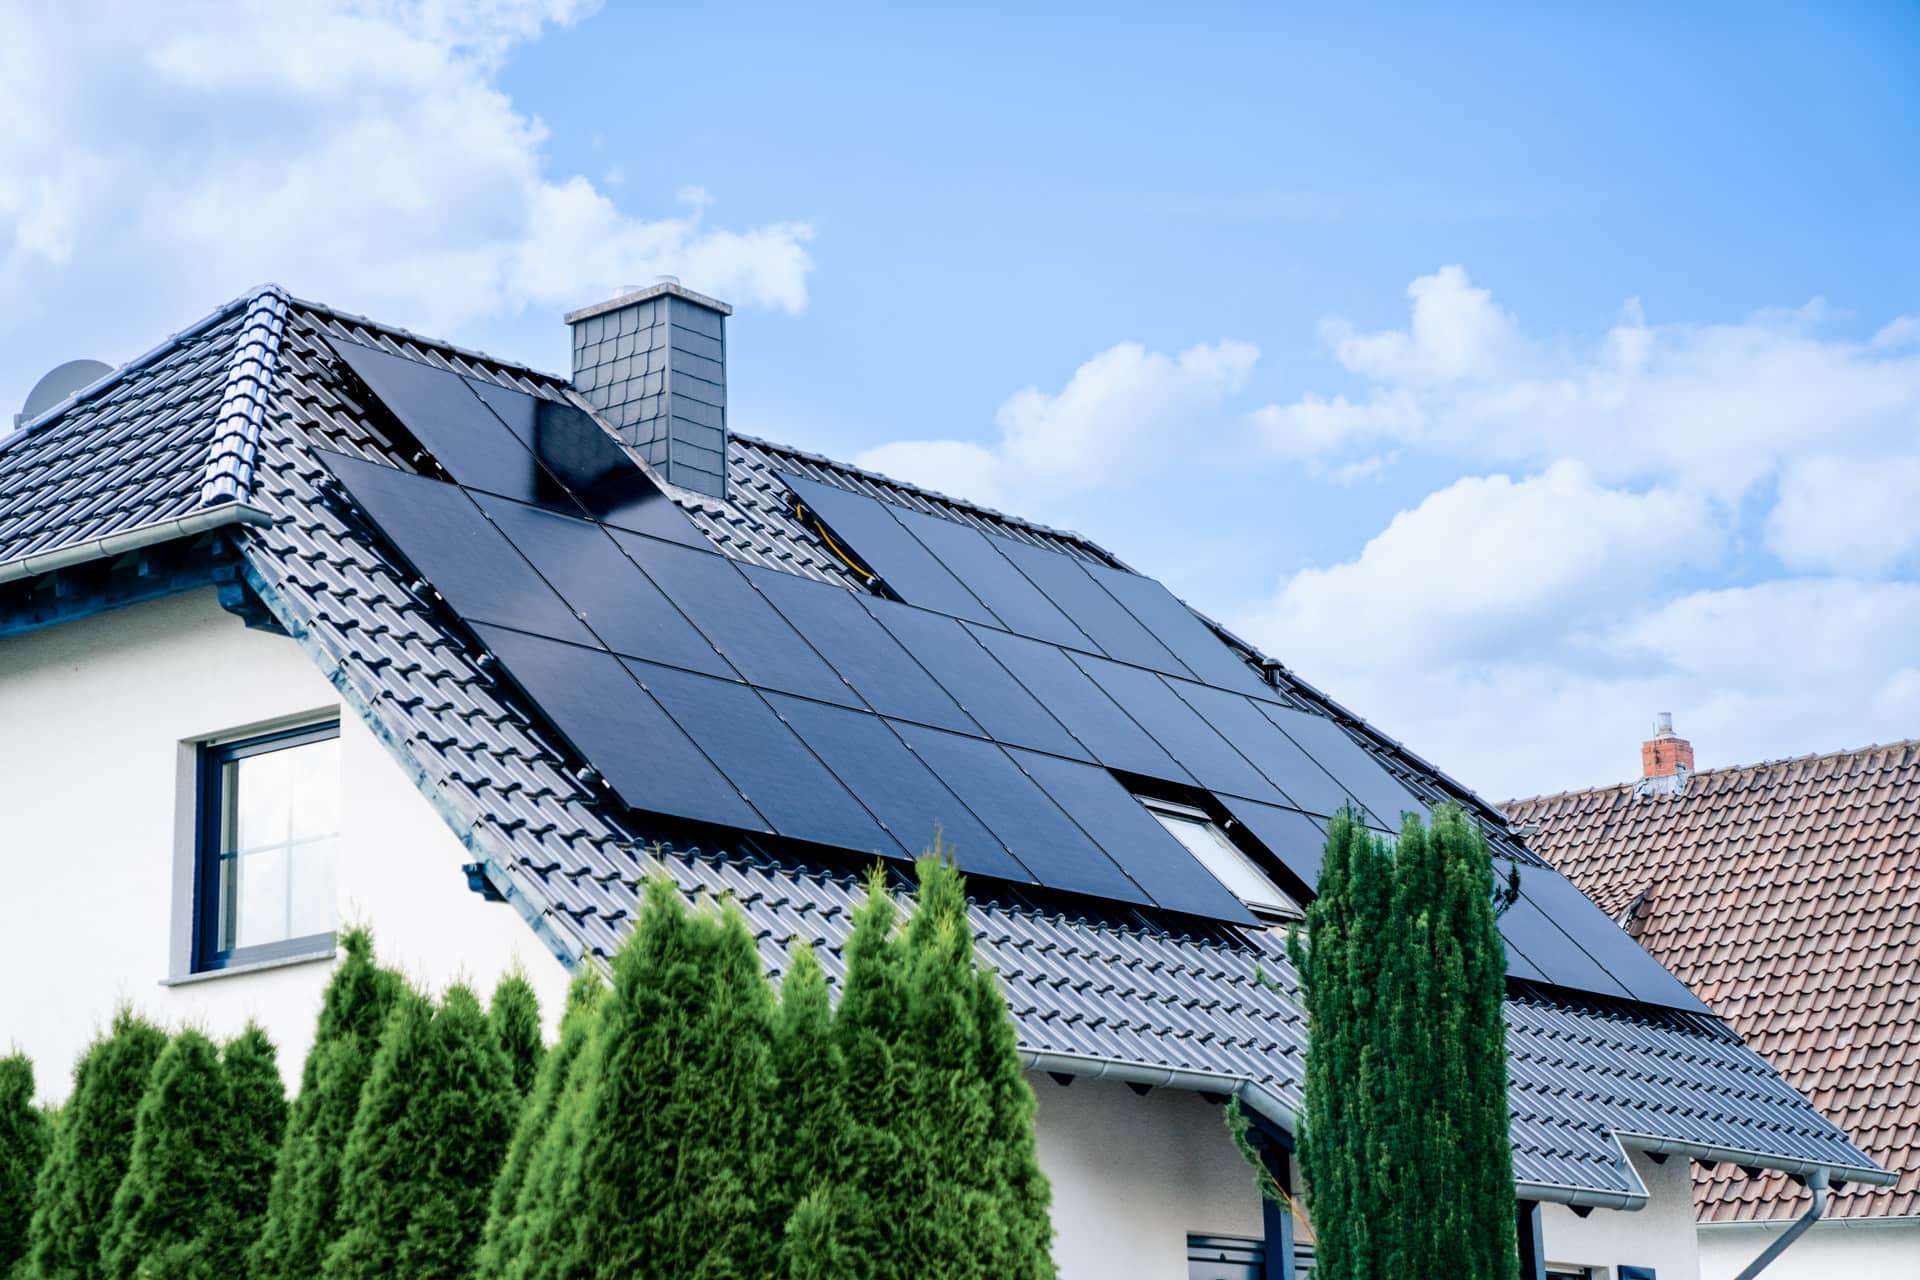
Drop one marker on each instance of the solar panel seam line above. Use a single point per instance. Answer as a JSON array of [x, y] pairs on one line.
[[928, 521], [1174, 667], [1204, 724], [1227, 738], [962, 801], [1012, 754]]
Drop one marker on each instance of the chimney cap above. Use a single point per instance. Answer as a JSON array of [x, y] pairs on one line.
[[628, 296], [1663, 725]]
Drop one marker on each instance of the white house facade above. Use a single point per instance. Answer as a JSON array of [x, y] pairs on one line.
[[289, 641]]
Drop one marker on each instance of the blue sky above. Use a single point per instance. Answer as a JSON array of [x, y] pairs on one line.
[[1512, 375]]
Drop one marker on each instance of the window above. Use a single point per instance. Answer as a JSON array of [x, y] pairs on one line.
[[1207, 842], [1225, 1258], [269, 823]]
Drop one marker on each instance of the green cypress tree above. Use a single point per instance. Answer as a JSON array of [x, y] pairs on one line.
[[868, 1025], [73, 1199], [174, 1174], [303, 1207], [515, 1018], [812, 1120], [25, 1136], [535, 1244], [513, 1199], [1404, 1137], [433, 1123], [1025, 1195], [249, 1140], [680, 1119]]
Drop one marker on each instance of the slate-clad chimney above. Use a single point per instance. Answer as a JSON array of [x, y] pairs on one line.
[[1666, 759], [653, 361]]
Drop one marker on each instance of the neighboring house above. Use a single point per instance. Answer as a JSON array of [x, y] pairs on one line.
[[1787, 895], [305, 619]]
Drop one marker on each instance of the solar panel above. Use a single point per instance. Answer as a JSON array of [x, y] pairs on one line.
[[1059, 854], [1610, 945], [1297, 840], [1097, 614], [997, 702], [991, 577], [439, 408], [1176, 626], [761, 756], [860, 649], [626, 611], [1237, 719], [448, 541], [896, 786], [618, 728], [605, 479], [1358, 771], [1177, 727], [1113, 737], [748, 632], [1121, 825], [867, 526], [1549, 950]]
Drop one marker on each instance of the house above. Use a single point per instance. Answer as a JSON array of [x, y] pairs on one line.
[[306, 619], [1786, 894]]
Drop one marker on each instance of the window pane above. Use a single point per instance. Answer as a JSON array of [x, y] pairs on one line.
[[258, 794], [263, 897], [1218, 855], [310, 892], [279, 818], [314, 781]]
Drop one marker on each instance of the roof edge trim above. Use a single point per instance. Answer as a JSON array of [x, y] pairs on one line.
[[1706, 1153], [146, 535], [141, 361], [243, 402]]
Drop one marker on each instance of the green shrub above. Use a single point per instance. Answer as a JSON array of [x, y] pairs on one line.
[[303, 1206], [515, 1018], [24, 1138], [433, 1123], [93, 1143]]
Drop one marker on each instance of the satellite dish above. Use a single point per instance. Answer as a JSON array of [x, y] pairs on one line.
[[59, 383]]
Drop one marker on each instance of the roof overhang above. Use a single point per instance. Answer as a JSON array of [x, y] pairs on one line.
[[1265, 1102], [147, 535]]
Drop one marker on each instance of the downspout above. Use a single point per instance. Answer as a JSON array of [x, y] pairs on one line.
[[1817, 1183]]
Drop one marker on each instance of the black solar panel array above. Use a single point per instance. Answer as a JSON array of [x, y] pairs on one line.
[[1008, 694]]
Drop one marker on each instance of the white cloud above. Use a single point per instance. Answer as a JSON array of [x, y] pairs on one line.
[[1847, 515], [361, 152], [1716, 408], [1120, 412], [1486, 564]]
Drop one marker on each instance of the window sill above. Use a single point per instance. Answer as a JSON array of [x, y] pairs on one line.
[[233, 971]]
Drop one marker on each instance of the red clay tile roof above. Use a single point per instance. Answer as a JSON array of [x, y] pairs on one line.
[[1787, 895]]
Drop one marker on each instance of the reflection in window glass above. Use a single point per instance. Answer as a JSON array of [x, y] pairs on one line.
[[272, 824], [1216, 853]]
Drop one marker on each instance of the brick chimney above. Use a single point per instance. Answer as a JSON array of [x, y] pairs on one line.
[[1666, 759], [653, 361]]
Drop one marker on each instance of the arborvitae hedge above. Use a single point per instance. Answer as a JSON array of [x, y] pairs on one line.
[[433, 1123], [24, 1138], [303, 1208], [73, 1200], [515, 1018], [812, 1111], [513, 1198], [677, 1146], [1404, 1138], [250, 1143], [174, 1174], [869, 1026]]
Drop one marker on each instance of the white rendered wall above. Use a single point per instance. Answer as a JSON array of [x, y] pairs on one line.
[[1660, 1236], [1133, 1177], [1849, 1249], [97, 718]]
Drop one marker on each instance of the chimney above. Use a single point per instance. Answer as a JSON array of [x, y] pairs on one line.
[[1666, 759], [653, 361]]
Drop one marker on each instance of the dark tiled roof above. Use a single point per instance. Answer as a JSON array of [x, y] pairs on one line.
[[1788, 896], [1138, 991]]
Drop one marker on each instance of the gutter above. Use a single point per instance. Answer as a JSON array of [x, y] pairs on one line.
[[1817, 1183], [134, 539], [1804, 1169]]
